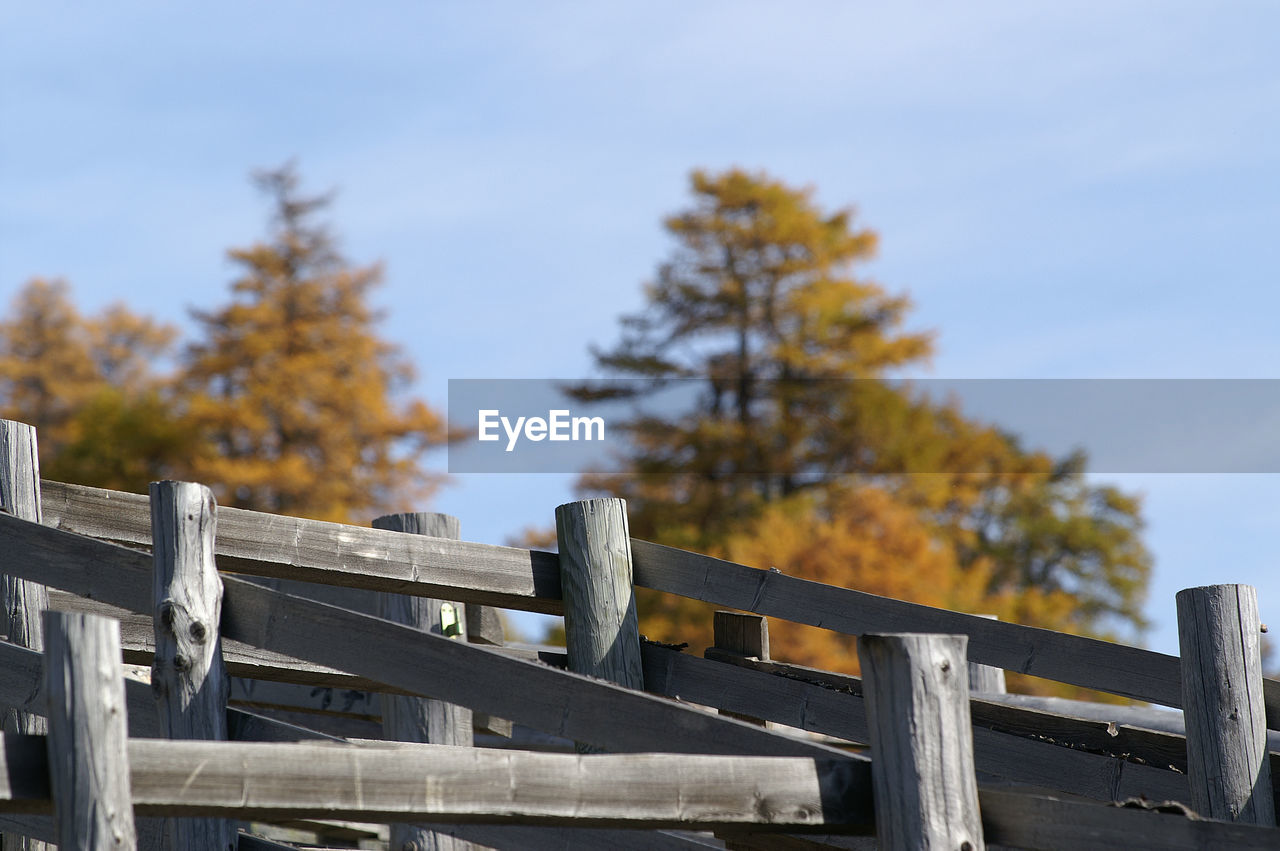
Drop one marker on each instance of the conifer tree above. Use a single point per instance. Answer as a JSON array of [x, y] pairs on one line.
[[103, 415], [798, 454], [292, 388]]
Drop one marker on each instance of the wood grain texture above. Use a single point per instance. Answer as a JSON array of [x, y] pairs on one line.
[[602, 635], [187, 674], [917, 700], [270, 545], [986, 679], [1048, 824], [265, 781], [24, 601], [1220, 638], [601, 628], [558, 702], [421, 719], [88, 760], [743, 635], [1129, 671], [552, 701], [1043, 751]]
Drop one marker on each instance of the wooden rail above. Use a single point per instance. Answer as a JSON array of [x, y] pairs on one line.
[[349, 556], [667, 764]]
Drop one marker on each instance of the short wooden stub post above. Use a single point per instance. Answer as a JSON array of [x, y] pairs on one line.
[[88, 733], [746, 635], [1219, 636], [916, 690], [420, 719], [602, 633], [23, 601], [188, 677], [986, 679]]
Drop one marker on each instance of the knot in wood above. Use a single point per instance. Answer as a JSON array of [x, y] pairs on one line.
[[198, 632], [966, 846], [180, 662], [167, 614]]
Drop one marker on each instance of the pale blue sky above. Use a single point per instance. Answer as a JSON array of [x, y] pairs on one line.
[[1066, 190]]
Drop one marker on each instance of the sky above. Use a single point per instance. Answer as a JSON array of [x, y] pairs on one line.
[[1084, 190]]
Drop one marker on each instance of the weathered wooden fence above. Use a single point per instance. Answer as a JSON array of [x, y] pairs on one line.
[[327, 678]]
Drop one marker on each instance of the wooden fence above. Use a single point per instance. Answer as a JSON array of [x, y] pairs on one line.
[[213, 677]]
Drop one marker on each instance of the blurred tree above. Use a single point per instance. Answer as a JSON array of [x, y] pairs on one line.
[[291, 387], [799, 454], [103, 416]]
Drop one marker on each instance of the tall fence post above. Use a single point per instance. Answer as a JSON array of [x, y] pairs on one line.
[[188, 676], [1218, 633], [419, 719], [601, 628], [916, 690], [88, 733], [986, 679], [23, 601]]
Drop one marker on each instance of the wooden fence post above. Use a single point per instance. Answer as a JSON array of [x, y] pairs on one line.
[[916, 691], [746, 635], [23, 601], [419, 719], [601, 629], [188, 677], [986, 679], [1218, 632], [88, 733]]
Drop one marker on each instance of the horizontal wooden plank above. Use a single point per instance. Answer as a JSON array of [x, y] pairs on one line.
[[577, 838], [336, 554], [840, 712], [1049, 824], [475, 676], [1116, 668], [268, 781], [22, 686], [272, 545], [483, 679]]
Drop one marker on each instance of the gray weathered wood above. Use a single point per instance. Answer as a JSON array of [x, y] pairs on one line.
[[88, 761], [986, 679], [187, 676], [24, 601], [744, 635], [602, 635], [1219, 635], [601, 628], [557, 702], [917, 697], [422, 719], [1015, 820], [1117, 668], [270, 545], [1065, 755], [265, 781]]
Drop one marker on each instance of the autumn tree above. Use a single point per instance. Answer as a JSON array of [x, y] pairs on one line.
[[103, 413], [799, 454], [292, 388]]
